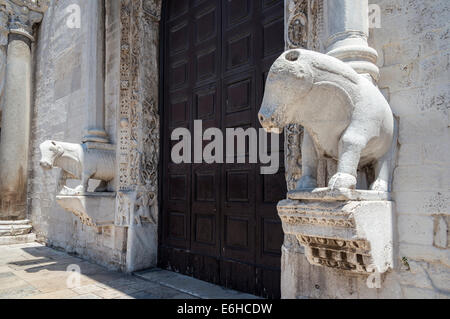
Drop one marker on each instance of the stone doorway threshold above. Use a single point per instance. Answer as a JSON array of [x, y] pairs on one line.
[[191, 286], [34, 271]]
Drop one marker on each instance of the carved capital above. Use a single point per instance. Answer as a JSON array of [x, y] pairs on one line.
[[34, 5], [19, 16]]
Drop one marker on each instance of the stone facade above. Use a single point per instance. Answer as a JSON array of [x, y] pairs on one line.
[[413, 62]]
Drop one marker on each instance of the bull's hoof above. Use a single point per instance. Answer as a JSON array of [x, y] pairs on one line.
[[380, 185], [342, 180], [66, 191], [306, 182]]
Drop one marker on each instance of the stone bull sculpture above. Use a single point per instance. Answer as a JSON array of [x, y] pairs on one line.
[[344, 115], [79, 162]]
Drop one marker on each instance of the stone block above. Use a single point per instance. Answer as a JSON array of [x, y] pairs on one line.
[[420, 178], [441, 231], [354, 234], [20, 239], [142, 247], [415, 229], [422, 202]]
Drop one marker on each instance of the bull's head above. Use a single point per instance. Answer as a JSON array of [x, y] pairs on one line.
[[290, 79], [50, 151]]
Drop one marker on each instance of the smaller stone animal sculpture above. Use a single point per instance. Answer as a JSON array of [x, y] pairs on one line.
[[79, 162], [344, 114]]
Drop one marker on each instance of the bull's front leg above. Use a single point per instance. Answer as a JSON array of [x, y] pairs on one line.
[[83, 187], [350, 147], [309, 164]]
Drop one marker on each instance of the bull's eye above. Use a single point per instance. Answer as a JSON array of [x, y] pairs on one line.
[[292, 56]]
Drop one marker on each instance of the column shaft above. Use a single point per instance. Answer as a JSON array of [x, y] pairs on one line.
[[15, 131], [348, 30], [95, 131]]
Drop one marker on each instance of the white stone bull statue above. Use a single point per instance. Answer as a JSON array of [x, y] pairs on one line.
[[79, 162], [344, 115]]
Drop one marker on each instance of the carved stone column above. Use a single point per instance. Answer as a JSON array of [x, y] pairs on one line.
[[21, 16], [348, 30], [4, 31], [95, 132]]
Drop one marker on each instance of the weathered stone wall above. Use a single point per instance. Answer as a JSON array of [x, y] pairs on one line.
[[413, 45], [60, 113]]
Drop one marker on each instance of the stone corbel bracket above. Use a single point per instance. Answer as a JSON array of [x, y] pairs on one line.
[[93, 209], [348, 230]]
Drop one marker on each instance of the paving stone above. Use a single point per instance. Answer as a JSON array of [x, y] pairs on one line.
[[191, 285], [60, 294], [38, 272], [87, 296], [21, 291]]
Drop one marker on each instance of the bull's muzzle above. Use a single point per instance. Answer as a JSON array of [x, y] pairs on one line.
[[269, 124]]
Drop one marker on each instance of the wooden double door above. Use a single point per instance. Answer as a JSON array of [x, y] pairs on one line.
[[219, 221]]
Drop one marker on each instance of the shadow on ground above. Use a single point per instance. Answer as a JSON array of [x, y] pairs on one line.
[[36, 271]]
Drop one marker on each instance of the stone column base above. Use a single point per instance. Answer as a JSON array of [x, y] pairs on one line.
[[16, 232]]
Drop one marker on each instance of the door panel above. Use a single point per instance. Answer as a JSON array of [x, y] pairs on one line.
[[219, 221]]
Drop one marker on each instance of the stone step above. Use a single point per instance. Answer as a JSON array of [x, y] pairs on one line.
[[15, 228], [15, 222], [20, 239]]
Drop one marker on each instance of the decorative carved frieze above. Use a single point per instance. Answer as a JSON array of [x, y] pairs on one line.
[[304, 24], [138, 149], [297, 24], [136, 208], [347, 255], [293, 142]]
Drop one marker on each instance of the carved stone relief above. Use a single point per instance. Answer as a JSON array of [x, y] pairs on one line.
[[138, 149], [334, 104], [297, 24], [82, 162]]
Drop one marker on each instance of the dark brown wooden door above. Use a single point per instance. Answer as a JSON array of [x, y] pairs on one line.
[[219, 221]]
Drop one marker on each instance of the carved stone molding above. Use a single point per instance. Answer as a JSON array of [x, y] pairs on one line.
[[304, 23], [297, 24], [136, 208], [348, 255], [347, 231], [138, 141], [293, 139]]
